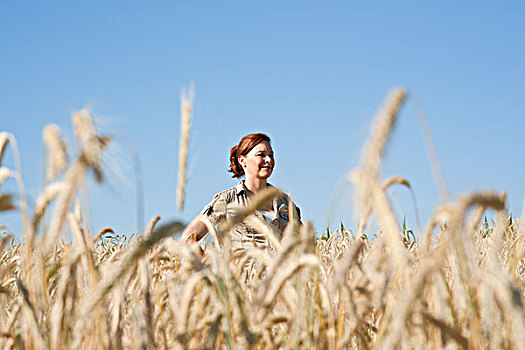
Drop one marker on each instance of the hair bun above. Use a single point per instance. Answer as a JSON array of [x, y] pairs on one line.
[[235, 166]]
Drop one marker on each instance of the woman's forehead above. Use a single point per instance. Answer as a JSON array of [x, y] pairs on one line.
[[263, 146]]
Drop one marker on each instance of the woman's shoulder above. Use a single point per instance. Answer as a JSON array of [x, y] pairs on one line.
[[218, 207], [230, 194]]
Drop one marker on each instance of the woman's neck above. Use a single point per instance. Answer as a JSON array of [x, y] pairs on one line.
[[255, 185]]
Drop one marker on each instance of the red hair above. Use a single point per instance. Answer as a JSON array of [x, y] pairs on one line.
[[244, 147]]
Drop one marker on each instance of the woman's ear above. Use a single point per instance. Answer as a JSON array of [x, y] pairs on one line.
[[242, 161]]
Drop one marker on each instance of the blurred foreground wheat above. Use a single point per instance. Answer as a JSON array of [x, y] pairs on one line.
[[459, 284]]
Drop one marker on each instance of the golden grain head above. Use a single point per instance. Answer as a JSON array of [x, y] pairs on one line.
[[6, 202], [395, 180], [4, 139], [185, 125], [83, 125], [90, 142], [56, 151], [5, 173]]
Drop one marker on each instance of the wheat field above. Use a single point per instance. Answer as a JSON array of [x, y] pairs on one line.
[[459, 283]]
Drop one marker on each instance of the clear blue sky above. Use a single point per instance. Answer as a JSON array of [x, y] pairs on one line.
[[310, 74]]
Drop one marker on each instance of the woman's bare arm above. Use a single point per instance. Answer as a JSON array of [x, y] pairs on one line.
[[195, 231]]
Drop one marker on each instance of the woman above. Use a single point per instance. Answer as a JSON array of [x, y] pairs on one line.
[[252, 158]]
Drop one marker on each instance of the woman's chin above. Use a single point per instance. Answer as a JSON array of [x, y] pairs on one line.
[[265, 174]]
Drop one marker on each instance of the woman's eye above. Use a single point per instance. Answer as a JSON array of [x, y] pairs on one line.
[[264, 155]]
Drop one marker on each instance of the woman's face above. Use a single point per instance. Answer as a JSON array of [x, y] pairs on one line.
[[259, 162]]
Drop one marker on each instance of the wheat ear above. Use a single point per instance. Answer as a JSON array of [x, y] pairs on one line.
[[56, 151], [4, 138], [403, 181], [5, 173], [186, 108], [49, 193], [100, 233], [284, 275]]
